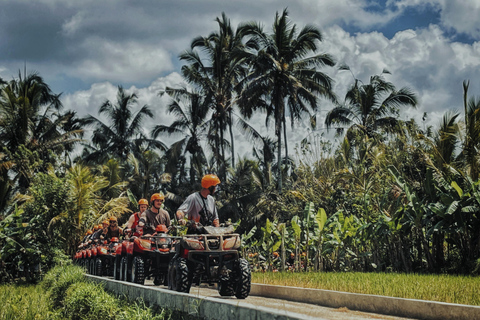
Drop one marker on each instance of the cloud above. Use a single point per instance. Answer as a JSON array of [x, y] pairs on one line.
[[459, 16], [424, 60], [128, 61]]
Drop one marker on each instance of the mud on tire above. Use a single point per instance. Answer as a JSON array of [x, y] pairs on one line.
[[244, 279]]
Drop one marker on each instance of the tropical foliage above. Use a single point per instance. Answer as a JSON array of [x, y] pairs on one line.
[[388, 195]]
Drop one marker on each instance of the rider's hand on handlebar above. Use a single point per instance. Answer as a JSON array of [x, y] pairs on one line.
[[182, 222]]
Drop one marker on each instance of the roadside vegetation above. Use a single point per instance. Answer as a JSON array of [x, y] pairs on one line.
[[386, 194], [442, 288], [66, 294]]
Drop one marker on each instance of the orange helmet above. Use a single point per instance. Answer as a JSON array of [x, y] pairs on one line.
[[105, 222], [161, 228], [95, 228], [143, 201], [210, 180], [157, 196], [89, 232], [113, 218]]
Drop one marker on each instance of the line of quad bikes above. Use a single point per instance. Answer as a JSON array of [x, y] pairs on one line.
[[212, 256]]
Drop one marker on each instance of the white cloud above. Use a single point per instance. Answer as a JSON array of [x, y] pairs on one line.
[[424, 60], [461, 16], [127, 61]]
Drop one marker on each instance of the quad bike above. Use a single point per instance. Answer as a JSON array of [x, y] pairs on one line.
[[148, 256], [105, 257], [210, 257]]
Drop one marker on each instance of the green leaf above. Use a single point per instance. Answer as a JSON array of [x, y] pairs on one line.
[[456, 187], [296, 227], [452, 208], [276, 245], [321, 218]]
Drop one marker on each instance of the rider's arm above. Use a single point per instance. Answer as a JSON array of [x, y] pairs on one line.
[[130, 222], [180, 217]]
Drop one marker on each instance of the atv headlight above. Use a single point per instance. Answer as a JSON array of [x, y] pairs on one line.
[[231, 243], [146, 244], [103, 250], [164, 241], [193, 244]]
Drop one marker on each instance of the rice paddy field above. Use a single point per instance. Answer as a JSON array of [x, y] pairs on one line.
[[443, 288]]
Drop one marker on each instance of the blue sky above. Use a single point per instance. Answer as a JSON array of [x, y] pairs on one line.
[[87, 48]]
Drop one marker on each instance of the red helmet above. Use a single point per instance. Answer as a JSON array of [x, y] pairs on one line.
[[161, 228], [143, 201], [210, 180], [157, 196]]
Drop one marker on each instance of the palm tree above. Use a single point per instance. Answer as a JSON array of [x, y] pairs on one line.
[[32, 126], [370, 107], [87, 204], [471, 140], [124, 134], [285, 74], [191, 111], [215, 71]]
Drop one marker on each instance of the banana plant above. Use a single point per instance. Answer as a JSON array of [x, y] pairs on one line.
[[297, 234], [271, 240]]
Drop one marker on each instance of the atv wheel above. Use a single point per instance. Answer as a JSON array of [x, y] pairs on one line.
[[181, 281], [123, 271], [170, 274], [244, 279], [225, 288], [116, 268], [138, 274], [160, 279], [91, 266], [98, 267]]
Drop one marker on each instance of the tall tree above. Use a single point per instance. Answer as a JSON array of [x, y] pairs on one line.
[[123, 134], [471, 137], [370, 107], [215, 65], [191, 112], [31, 126], [285, 74]]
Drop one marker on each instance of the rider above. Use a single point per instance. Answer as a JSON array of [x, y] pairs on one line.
[[134, 218], [87, 237], [200, 206], [113, 229], [98, 231], [154, 216]]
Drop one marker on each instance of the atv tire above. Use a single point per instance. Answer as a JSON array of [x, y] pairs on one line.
[[98, 267], [180, 279], [91, 266], [170, 274], [244, 280], [123, 271], [116, 268], [138, 272], [225, 288]]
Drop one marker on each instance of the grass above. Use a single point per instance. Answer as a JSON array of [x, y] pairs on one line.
[[24, 302], [66, 294], [443, 288]]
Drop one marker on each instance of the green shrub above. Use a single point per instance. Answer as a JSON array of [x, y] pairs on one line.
[[58, 280], [85, 301]]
